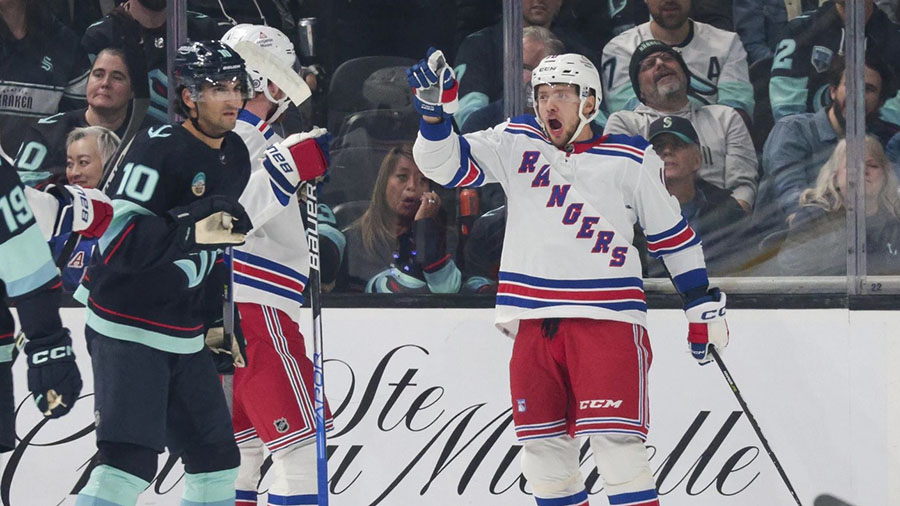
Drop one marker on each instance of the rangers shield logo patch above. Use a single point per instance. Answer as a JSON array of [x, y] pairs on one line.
[[281, 425], [821, 58], [520, 405]]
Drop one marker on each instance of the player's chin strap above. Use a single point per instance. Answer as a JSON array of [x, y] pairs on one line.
[[283, 104]]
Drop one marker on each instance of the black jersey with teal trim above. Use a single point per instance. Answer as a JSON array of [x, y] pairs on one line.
[[40, 75], [141, 286], [43, 149], [108, 32], [810, 42]]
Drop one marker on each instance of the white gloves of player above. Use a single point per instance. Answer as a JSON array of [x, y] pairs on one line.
[[706, 325], [215, 341], [300, 157], [89, 211], [434, 84]]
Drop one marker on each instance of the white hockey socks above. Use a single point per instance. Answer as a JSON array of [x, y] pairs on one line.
[[252, 457], [551, 467], [295, 476], [110, 486], [623, 464]]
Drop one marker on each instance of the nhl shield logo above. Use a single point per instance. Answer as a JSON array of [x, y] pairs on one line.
[[281, 425], [198, 185], [821, 58]]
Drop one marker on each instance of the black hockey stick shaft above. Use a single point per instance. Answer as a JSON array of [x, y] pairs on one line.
[[759, 434], [315, 304]]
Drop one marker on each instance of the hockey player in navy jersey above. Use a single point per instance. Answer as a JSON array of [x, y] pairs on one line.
[[270, 273], [175, 198], [570, 290]]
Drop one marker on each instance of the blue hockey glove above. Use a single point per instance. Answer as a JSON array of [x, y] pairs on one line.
[[435, 88], [53, 376], [706, 325]]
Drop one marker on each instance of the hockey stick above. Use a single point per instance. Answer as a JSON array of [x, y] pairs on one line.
[[258, 59], [228, 325], [315, 303], [759, 434]]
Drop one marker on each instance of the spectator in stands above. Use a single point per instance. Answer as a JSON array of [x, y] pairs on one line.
[[760, 23], [400, 243], [805, 53], [479, 60], [482, 252], [713, 213], [43, 150], [659, 77], [715, 58], [799, 144], [144, 22], [42, 68], [537, 43], [820, 222], [893, 152]]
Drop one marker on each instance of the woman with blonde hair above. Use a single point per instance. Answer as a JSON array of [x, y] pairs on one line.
[[820, 223], [399, 244]]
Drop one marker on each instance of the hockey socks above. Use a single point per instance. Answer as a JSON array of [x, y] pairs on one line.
[[642, 498], [579, 499], [209, 489], [293, 500], [109, 486]]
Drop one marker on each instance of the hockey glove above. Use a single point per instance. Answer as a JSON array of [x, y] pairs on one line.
[[706, 325], [53, 376], [226, 360], [300, 157], [87, 212], [434, 85], [211, 223]]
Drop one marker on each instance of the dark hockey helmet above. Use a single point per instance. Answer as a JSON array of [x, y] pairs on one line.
[[208, 62]]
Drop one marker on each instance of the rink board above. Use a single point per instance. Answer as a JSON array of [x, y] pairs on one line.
[[423, 414]]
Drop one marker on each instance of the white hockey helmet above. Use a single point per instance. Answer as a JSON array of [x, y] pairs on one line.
[[574, 69], [274, 42]]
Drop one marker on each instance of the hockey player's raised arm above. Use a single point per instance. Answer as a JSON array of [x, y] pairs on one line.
[[443, 156]]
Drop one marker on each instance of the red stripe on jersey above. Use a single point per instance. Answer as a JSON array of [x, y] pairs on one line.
[[119, 243], [271, 277], [593, 295], [682, 237], [143, 320], [471, 175], [624, 147]]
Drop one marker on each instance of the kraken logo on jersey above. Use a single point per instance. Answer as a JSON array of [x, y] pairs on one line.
[[197, 267], [821, 58], [198, 185], [47, 64]]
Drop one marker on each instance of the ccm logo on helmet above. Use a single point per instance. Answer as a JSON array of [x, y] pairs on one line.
[[712, 314], [51, 354]]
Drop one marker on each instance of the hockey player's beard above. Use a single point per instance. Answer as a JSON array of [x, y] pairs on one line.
[[153, 5]]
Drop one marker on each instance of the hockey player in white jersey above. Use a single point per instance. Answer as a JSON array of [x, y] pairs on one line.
[[570, 290], [273, 396]]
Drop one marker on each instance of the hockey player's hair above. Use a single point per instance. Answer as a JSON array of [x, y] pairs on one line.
[[377, 222], [826, 194], [552, 45], [107, 140]]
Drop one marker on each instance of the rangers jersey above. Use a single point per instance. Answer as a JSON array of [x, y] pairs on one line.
[[716, 59], [141, 286], [568, 249], [272, 267]]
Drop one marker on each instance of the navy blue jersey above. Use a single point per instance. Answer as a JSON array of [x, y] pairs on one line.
[[141, 286]]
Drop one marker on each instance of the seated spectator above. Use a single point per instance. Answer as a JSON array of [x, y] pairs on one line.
[[713, 213], [87, 150], [820, 222], [479, 60], [799, 144], [893, 152], [400, 243], [144, 22], [43, 150], [43, 70], [482, 252], [808, 46], [537, 43], [715, 58], [659, 78], [760, 23]]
